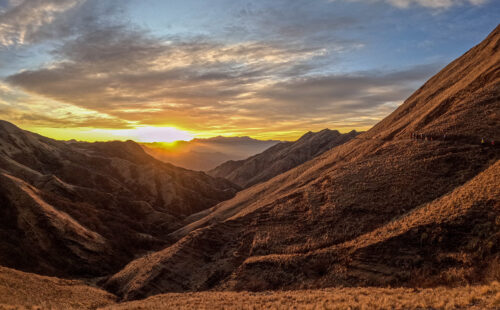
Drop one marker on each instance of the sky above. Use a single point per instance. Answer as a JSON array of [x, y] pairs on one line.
[[162, 70]]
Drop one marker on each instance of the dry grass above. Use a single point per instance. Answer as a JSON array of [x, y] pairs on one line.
[[470, 297], [19, 290]]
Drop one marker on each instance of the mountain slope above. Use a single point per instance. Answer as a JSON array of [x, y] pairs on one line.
[[206, 154], [273, 235], [20, 290], [280, 158], [453, 240], [74, 208]]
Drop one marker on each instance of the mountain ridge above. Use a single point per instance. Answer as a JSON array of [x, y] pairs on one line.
[[280, 157], [79, 208], [206, 154]]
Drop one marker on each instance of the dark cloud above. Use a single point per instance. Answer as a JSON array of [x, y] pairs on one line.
[[348, 92]]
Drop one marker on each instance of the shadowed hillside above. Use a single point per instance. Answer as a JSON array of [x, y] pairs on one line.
[[280, 158], [70, 208], [381, 209]]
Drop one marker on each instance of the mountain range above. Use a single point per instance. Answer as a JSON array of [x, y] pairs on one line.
[[280, 157], [382, 209], [206, 154], [75, 208]]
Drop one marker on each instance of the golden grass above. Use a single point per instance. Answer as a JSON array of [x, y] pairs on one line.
[[470, 297], [20, 290]]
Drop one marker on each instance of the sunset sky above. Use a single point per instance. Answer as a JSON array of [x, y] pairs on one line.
[[161, 70]]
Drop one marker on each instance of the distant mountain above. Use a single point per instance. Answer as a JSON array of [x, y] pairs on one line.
[[74, 208], [280, 157], [384, 209], [206, 154]]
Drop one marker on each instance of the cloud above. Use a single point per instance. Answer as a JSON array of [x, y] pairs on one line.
[[206, 85], [105, 73], [31, 21], [294, 20], [37, 111], [336, 95], [117, 70], [433, 4], [23, 19]]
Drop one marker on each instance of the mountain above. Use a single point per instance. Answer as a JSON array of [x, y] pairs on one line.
[[86, 209], [206, 154], [280, 157], [382, 209]]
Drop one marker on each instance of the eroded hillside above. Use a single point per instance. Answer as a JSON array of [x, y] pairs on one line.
[[71, 208]]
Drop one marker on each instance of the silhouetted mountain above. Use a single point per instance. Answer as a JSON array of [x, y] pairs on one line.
[[381, 209], [74, 208], [280, 157], [206, 154]]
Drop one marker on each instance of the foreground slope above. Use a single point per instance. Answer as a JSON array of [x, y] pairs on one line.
[[20, 290], [453, 240], [71, 208], [293, 230], [470, 297], [280, 158]]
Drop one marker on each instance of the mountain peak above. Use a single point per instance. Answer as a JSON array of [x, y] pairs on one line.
[[460, 100], [8, 127]]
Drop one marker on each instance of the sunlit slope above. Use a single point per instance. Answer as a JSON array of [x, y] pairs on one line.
[[471, 297], [453, 240]]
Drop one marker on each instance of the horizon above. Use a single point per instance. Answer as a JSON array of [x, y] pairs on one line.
[[250, 154], [270, 70], [94, 135]]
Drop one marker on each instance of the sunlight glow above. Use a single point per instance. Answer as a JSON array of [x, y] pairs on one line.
[[139, 134], [153, 134]]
